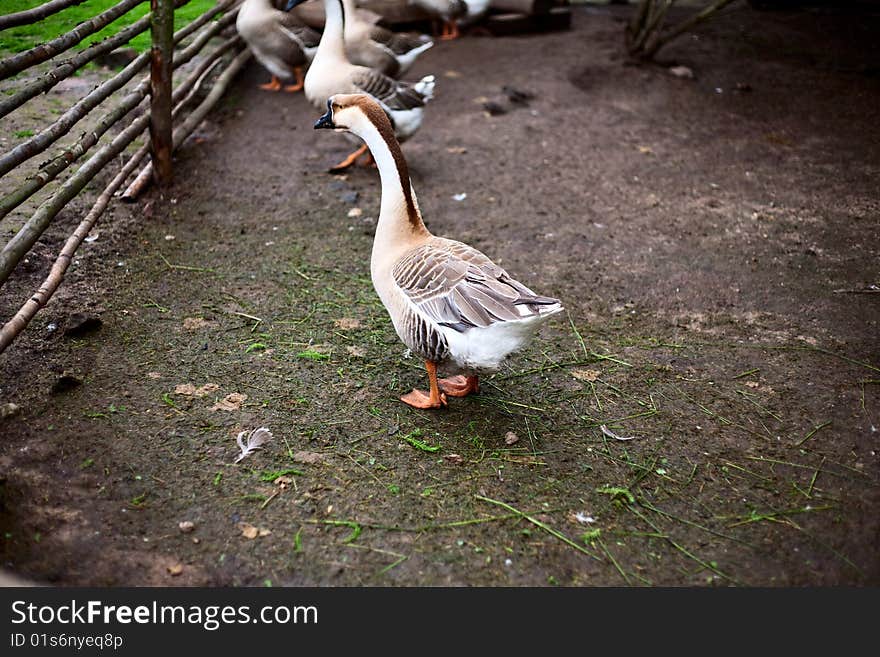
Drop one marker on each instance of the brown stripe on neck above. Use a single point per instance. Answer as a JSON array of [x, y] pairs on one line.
[[379, 119]]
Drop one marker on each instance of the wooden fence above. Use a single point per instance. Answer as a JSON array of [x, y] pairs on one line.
[[168, 111]]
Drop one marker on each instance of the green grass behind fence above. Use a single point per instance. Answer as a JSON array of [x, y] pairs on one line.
[[24, 37]]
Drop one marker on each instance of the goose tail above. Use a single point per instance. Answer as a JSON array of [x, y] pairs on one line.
[[425, 87]]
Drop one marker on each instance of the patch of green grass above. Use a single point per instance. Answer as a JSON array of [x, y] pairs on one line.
[[25, 37], [23, 134], [272, 475], [618, 494], [313, 355], [412, 439], [591, 535], [356, 528]]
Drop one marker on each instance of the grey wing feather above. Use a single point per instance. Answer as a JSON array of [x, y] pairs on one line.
[[304, 34], [459, 287], [394, 94], [399, 43]]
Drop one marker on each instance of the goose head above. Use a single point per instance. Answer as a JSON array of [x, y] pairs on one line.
[[357, 113]]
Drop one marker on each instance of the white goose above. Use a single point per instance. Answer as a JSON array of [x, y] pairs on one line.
[[379, 48], [449, 303], [279, 41], [331, 72]]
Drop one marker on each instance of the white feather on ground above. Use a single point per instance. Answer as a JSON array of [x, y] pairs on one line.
[[255, 441]]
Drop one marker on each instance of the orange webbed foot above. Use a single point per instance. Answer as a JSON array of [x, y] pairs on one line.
[[274, 85], [349, 161], [450, 31], [459, 385], [420, 399], [300, 81]]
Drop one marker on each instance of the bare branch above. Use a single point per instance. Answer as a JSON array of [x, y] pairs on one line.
[[685, 25], [41, 297], [78, 111], [51, 169], [21, 319], [25, 238]]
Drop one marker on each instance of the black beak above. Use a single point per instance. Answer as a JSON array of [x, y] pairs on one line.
[[292, 3], [325, 121]]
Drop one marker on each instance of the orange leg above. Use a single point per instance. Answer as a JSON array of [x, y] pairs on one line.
[[368, 160], [450, 31], [300, 81], [274, 85], [351, 159], [459, 386], [420, 399]]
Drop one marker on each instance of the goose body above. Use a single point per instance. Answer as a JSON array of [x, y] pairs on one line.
[[278, 40], [331, 72], [449, 303], [376, 47]]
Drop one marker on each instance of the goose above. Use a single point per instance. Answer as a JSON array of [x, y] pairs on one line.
[[449, 303], [376, 47], [331, 72], [279, 42], [453, 13]]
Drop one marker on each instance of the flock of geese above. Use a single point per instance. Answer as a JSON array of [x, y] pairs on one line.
[[449, 303]]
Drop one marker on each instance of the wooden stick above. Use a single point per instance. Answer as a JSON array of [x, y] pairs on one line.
[[197, 115], [21, 319], [161, 59], [189, 87], [18, 62], [49, 171], [29, 16], [41, 141], [41, 297], [28, 234]]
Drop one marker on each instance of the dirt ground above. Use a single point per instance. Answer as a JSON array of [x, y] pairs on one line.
[[714, 241]]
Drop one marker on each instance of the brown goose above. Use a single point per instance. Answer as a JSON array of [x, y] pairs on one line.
[[449, 303]]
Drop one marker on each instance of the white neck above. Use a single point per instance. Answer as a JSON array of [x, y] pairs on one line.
[[332, 44], [395, 228], [349, 7], [256, 6]]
